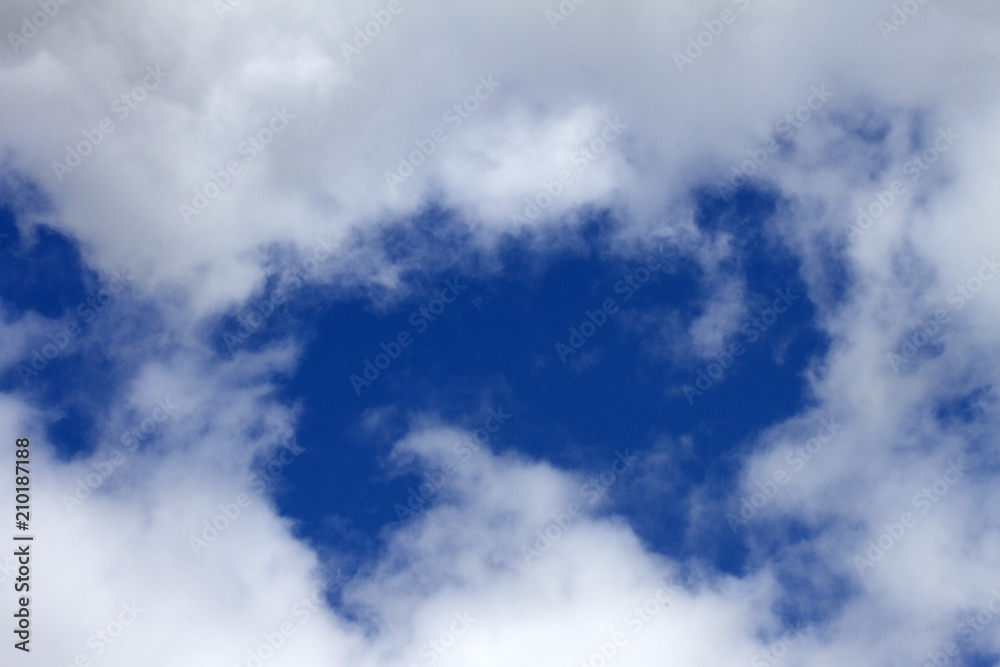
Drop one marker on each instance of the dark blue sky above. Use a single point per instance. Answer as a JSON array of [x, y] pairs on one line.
[[492, 346]]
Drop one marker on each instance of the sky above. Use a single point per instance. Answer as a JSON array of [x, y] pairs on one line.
[[541, 333]]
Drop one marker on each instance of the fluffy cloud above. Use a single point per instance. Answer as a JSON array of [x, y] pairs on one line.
[[257, 120]]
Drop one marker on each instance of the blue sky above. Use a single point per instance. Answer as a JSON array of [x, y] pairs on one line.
[[679, 346], [481, 352]]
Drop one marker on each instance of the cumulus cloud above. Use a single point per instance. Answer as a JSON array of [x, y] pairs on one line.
[[278, 138]]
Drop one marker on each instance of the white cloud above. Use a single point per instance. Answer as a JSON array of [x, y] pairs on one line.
[[323, 176]]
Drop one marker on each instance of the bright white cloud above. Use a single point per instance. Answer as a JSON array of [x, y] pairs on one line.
[[333, 127]]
